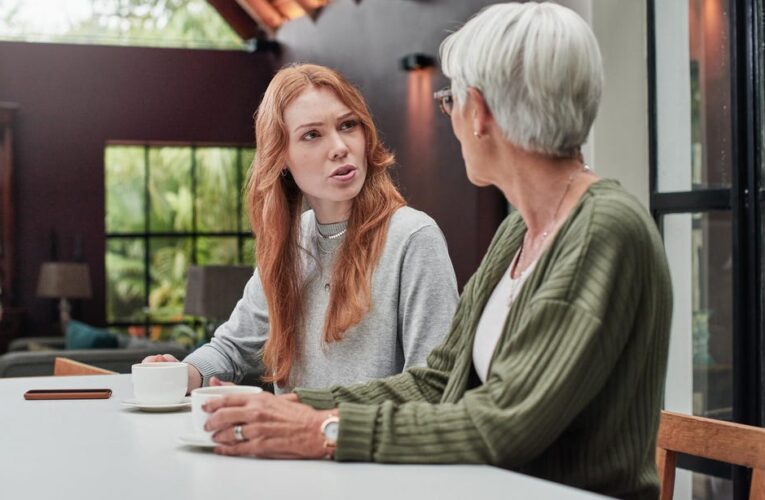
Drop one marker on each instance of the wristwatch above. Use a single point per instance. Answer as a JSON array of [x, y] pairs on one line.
[[330, 429]]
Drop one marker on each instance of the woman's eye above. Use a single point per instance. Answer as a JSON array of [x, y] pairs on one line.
[[309, 136], [348, 124]]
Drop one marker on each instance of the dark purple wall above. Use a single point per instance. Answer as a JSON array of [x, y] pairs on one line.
[[74, 98], [365, 42]]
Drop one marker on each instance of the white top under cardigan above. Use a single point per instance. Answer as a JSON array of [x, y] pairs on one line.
[[494, 315]]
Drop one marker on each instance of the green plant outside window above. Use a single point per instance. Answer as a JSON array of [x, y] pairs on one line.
[[168, 207]]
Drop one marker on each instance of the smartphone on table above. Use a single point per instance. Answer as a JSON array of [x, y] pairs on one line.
[[37, 394]]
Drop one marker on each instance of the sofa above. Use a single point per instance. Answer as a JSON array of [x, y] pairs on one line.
[[34, 356]]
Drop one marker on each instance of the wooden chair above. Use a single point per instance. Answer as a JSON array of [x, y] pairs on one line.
[[714, 439], [66, 366]]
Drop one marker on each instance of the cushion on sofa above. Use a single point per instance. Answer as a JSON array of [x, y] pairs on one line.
[[82, 336]]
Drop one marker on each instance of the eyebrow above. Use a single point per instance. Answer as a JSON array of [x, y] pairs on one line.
[[318, 124]]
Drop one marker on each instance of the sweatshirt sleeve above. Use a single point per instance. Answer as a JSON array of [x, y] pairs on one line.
[[235, 348], [427, 295]]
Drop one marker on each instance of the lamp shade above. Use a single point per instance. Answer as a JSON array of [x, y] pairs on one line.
[[67, 280], [213, 291]]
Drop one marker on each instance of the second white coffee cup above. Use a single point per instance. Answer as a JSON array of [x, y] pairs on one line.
[[160, 383], [204, 394]]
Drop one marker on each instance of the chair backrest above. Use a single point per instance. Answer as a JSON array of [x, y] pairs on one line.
[[66, 366], [714, 439]]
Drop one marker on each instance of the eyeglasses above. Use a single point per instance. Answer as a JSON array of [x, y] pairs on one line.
[[445, 100]]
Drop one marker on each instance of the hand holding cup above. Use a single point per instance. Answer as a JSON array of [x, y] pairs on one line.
[[194, 377], [160, 358]]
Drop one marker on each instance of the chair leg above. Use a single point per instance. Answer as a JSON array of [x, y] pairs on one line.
[[665, 463], [757, 488]]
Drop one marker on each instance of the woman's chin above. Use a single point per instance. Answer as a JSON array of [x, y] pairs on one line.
[[476, 181]]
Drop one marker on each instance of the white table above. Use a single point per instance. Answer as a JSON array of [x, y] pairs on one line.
[[101, 449]]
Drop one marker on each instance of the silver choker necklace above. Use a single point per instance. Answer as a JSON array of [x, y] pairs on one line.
[[330, 227], [333, 236]]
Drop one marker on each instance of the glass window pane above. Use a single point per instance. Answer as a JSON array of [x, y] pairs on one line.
[[711, 488], [248, 252], [245, 162], [693, 95], [125, 288], [170, 206], [703, 320], [217, 190], [217, 251], [185, 23], [169, 264], [124, 178]]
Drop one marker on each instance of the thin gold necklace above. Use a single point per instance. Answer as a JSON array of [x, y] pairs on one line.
[[553, 223]]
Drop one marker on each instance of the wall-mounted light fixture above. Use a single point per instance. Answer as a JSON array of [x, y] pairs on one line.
[[413, 62]]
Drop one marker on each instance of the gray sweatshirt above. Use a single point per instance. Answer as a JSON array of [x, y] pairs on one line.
[[414, 296]]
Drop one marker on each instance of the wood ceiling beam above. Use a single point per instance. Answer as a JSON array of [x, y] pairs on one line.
[[263, 13], [261, 18], [289, 8], [240, 21], [309, 5]]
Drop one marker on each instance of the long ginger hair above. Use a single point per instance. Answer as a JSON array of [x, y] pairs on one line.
[[275, 205]]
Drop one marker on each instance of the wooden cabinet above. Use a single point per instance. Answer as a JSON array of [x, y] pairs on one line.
[[10, 315]]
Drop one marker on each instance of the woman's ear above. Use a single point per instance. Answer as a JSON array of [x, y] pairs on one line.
[[480, 112]]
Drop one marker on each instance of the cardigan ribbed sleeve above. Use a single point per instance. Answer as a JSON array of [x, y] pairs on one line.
[[529, 398]]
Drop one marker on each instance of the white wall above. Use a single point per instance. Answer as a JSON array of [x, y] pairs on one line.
[[618, 144]]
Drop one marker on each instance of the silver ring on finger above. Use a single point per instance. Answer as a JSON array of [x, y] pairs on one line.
[[238, 434]]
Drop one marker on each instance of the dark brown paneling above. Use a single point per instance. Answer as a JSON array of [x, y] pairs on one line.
[[365, 42], [73, 99]]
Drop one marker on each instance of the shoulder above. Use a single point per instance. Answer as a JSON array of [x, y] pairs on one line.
[[406, 222], [615, 217], [611, 242]]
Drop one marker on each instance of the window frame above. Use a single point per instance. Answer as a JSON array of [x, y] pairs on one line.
[[746, 200], [242, 234]]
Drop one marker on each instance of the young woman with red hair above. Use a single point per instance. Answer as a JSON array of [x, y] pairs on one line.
[[358, 287]]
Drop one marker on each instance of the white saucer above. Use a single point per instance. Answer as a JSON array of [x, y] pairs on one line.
[[186, 403], [194, 440]]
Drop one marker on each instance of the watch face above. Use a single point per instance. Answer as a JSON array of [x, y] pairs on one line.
[[331, 431]]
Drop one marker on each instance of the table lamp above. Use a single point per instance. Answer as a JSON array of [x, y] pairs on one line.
[[64, 281]]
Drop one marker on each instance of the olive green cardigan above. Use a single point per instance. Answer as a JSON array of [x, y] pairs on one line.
[[575, 386]]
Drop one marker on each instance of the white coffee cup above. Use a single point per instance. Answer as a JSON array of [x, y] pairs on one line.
[[160, 383], [204, 394]]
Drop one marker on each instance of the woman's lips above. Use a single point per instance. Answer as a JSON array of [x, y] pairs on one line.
[[344, 173]]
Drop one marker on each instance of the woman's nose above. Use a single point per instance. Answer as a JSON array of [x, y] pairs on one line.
[[339, 147]]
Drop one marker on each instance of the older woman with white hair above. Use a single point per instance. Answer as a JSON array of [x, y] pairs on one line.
[[556, 358]]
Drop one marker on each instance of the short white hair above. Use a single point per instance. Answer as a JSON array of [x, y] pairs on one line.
[[539, 68]]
